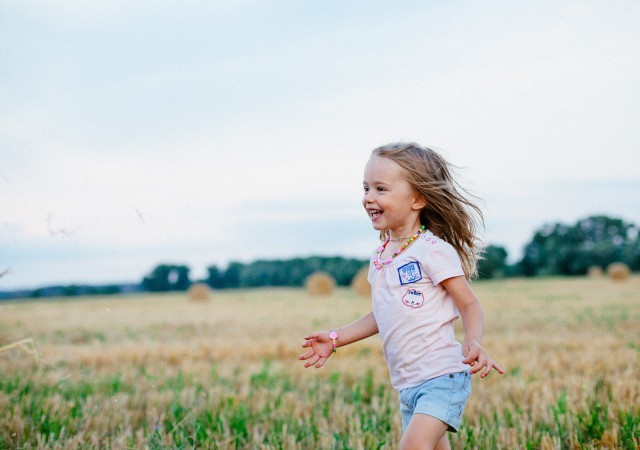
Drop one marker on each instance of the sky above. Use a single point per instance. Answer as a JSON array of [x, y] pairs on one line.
[[134, 133]]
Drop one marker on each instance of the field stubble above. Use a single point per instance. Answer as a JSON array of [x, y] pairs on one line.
[[159, 371]]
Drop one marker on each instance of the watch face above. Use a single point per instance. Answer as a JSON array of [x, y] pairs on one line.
[[333, 335]]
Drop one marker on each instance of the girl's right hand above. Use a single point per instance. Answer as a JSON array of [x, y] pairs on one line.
[[320, 349]]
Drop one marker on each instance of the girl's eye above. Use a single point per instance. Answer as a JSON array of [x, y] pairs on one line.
[[380, 189], [366, 189]]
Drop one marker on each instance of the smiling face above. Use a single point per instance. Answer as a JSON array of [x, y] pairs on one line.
[[389, 200]]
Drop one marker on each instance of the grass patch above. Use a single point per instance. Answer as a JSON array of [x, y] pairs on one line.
[[224, 374]]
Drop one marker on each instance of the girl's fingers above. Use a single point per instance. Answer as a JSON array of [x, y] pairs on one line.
[[307, 354], [471, 357], [480, 363], [492, 365], [321, 362], [312, 361], [470, 361]]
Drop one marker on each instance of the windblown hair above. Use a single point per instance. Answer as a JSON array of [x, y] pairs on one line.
[[450, 212]]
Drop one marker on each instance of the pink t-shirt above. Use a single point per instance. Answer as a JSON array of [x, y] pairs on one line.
[[415, 314]]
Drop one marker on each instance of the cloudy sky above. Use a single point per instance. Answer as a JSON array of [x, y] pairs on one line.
[[198, 132]]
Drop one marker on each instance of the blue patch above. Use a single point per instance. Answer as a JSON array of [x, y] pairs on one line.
[[409, 273]]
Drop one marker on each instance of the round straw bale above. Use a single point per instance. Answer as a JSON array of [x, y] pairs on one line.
[[199, 292], [618, 271], [594, 272], [360, 284], [320, 284]]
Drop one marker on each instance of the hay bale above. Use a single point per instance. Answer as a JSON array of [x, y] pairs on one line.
[[618, 271], [199, 292], [360, 284], [320, 284], [594, 272]]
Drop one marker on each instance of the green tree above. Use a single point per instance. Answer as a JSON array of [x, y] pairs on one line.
[[232, 276], [559, 249], [291, 272], [493, 263], [214, 278], [167, 277]]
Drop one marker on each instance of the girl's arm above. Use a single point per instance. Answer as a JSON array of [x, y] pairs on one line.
[[473, 322], [321, 346]]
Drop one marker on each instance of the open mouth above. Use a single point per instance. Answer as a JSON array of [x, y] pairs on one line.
[[374, 213]]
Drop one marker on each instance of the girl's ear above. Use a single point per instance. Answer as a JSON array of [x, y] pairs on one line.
[[419, 202]]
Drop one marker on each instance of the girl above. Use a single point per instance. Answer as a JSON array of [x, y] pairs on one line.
[[419, 284]]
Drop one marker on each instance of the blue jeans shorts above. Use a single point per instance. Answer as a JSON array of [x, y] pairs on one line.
[[443, 397]]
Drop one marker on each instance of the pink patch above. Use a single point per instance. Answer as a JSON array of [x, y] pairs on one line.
[[413, 298]]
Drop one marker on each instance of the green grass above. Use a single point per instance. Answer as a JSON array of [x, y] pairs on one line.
[[265, 414], [224, 375]]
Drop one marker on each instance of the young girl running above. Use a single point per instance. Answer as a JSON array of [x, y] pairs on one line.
[[419, 285]]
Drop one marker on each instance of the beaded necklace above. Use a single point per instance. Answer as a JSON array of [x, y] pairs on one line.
[[379, 263]]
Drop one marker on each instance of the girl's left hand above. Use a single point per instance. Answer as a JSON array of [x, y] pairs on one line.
[[320, 349], [477, 358]]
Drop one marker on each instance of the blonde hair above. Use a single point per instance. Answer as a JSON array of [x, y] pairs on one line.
[[449, 212]]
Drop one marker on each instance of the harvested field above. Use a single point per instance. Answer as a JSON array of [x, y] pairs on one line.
[[160, 371]]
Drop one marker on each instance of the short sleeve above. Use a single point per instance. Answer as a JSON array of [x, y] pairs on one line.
[[370, 272], [441, 261]]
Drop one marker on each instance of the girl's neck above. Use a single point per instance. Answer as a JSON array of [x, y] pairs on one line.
[[403, 234]]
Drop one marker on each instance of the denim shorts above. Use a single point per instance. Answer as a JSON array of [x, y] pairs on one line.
[[442, 397]]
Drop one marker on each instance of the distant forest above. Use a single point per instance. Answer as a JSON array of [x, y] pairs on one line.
[[555, 249]]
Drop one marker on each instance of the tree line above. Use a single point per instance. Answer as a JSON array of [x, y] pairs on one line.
[[561, 249], [261, 273], [555, 249]]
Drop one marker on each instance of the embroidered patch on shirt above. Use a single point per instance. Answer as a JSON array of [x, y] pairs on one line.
[[409, 273], [413, 298]]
